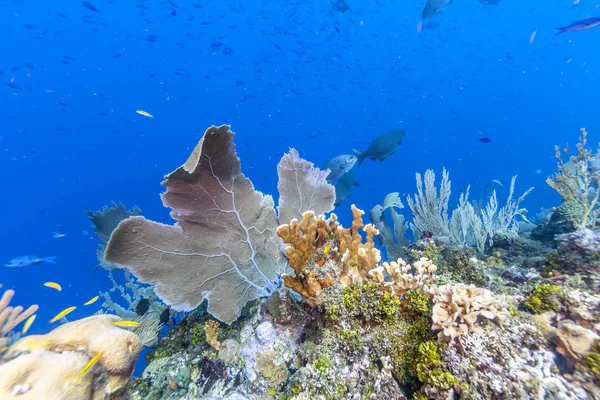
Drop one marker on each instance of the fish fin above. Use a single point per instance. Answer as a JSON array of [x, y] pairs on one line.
[[360, 155], [51, 259]]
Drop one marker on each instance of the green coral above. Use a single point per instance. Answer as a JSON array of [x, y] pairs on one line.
[[417, 302], [459, 264], [545, 297], [198, 335], [367, 302], [323, 363], [430, 251], [430, 367], [592, 361]]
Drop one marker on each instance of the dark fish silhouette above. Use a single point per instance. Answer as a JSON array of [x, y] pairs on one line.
[[164, 316], [142, 306], [89, 6], [579, 26], [381, 147], [344, 187], [484, 140], [434, 7]]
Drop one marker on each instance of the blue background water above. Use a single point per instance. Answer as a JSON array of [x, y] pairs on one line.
[[283, 74]]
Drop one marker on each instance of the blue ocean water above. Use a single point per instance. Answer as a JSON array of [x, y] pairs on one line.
[[283, 74]]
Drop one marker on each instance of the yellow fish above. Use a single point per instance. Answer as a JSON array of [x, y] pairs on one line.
[[131, 324], [91, 363], [144, 113], [53, 285], [28, 324], [62, 313], [91, 301], [327, 248]]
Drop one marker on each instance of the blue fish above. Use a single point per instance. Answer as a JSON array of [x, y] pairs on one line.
[[338, 166], [344, 187], [26, 261], [579, 26]]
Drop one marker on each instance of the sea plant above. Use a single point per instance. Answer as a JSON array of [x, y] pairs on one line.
[[577, 181]]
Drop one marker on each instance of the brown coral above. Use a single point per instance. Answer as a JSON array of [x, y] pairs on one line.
[[574, 341], [315, 245], [212, 336]]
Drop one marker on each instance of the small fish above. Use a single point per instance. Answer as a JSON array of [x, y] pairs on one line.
[[89, 6], [127, 324], [381, 147], [327, 248], [26, 261], [144, 113], [580, 26], [497, 182], [434, 7], [484, 140], [28, 324], [91, 301], [53, 285], [91, 363], [58, 235], [63, 313], [338, 166], [344, 187], [142, 306]]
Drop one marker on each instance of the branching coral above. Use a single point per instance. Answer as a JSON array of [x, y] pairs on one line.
[[458, 309], [402, 281], [575, 181], [11, 316], [211, 334], [321, 251]]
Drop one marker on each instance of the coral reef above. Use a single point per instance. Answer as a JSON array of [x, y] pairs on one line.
[[223, 224], [483, 310], [56, 365]]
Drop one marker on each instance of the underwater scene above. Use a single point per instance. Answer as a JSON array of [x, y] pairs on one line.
[[297, 200]]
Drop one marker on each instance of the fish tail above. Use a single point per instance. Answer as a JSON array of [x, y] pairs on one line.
[[559, 30], [51, 259], [360, 155]]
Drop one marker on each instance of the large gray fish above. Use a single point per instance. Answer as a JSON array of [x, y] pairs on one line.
[[381, 147], [344, 187], [338, 166], [25, 261], [434, 7], [579, 26]]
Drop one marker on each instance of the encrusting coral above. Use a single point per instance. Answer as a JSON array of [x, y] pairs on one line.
[[458, 308], [11, 316], [53, 365]]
